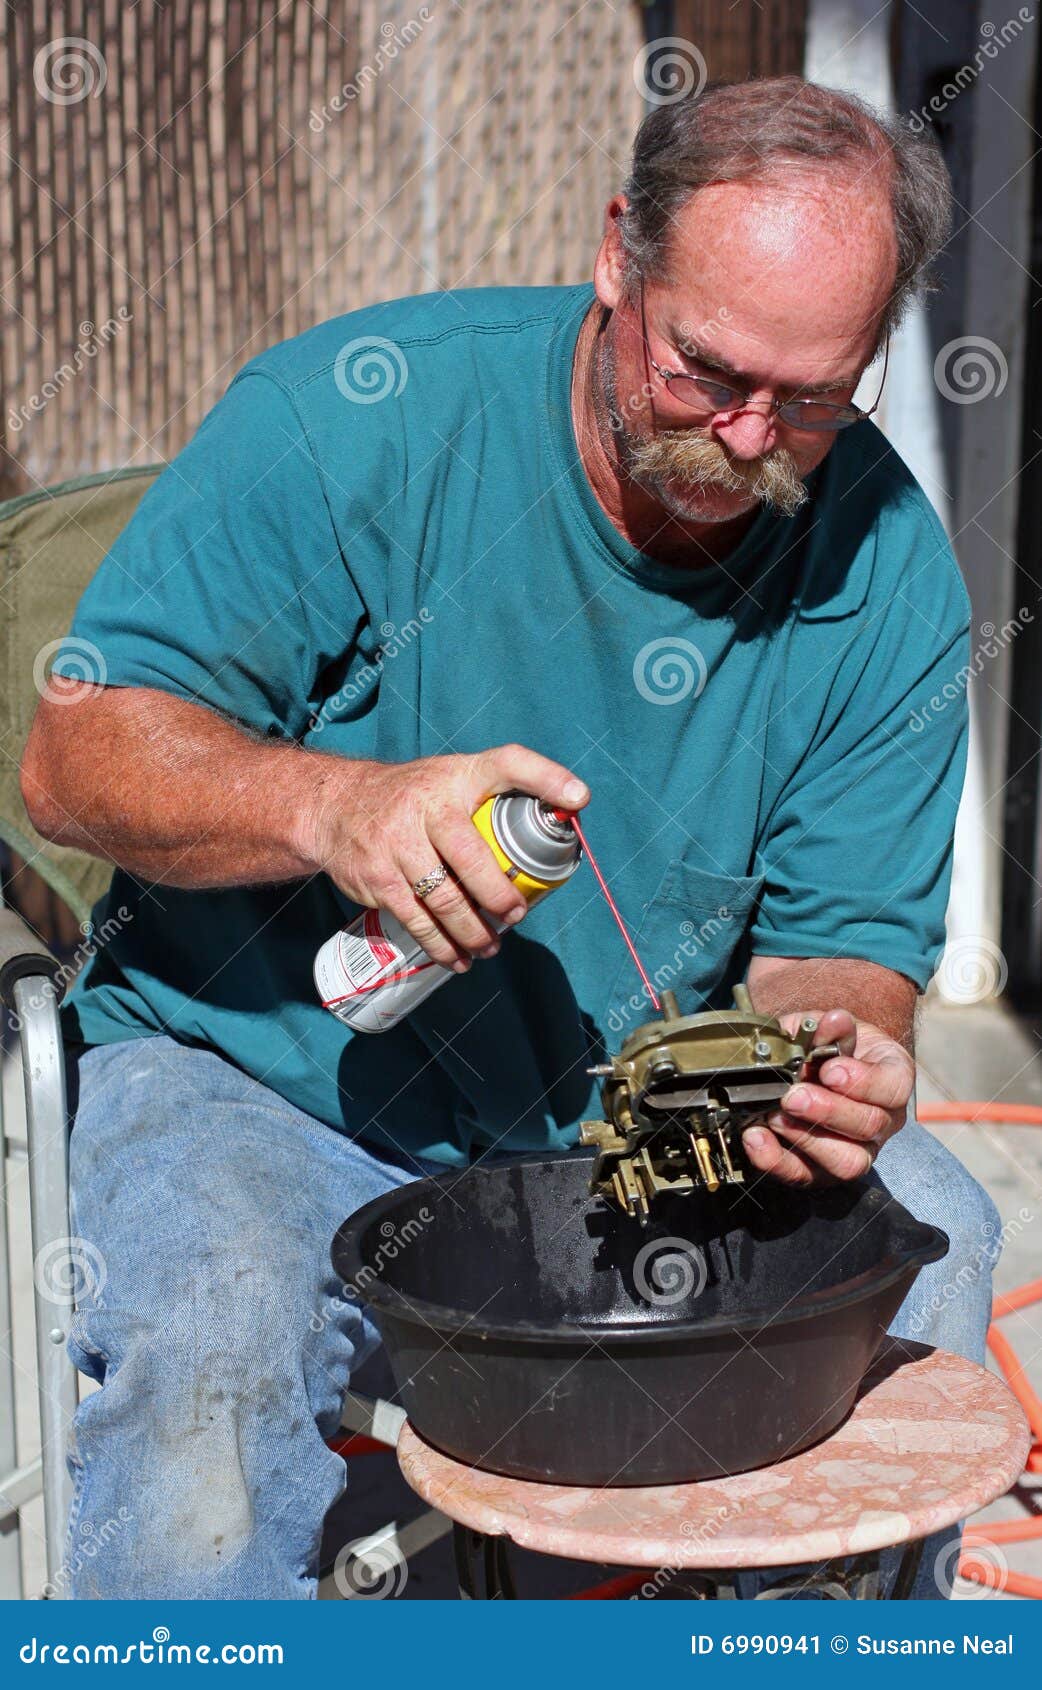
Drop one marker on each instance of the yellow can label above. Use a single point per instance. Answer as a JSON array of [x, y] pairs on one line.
[[530, 888]]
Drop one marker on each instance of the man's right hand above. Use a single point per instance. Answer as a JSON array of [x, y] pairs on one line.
[[377, 828]]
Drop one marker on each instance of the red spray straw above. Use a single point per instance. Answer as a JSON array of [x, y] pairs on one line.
[[418, 968], [567, 816]]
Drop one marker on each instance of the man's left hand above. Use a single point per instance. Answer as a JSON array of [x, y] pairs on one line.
[[833, 1125]]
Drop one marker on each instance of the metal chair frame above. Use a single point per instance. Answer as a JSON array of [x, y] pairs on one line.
[[27, 989]]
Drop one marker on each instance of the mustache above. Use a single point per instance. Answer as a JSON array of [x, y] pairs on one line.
[[701, 463]]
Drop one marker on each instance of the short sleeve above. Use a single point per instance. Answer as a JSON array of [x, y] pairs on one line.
[[228, 586], [857, 852]]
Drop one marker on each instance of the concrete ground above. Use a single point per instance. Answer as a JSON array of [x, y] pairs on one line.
[[981, 1052]]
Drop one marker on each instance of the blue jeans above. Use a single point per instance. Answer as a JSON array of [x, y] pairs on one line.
[[214, 1322]]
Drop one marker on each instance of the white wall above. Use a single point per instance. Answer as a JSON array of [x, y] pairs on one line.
[[975, 494]]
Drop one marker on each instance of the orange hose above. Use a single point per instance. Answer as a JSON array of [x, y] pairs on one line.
[[1010, 1301], [1009, 1114], [1007, 1358], [1015, 1584], [1002, 1531], [358, 1443], [1019, 1584], [625, 1584]]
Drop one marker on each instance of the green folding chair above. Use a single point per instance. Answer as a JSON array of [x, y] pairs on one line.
[[51, 543]]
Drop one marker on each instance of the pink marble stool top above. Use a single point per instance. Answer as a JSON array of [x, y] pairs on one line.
[[931, 1439]]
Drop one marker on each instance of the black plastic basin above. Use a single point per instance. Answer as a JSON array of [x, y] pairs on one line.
[[535, 1331]]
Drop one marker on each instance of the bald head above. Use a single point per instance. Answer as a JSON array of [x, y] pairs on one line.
[[785, 265]]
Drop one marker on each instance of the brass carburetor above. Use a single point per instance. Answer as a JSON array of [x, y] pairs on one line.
[[679, 1093]]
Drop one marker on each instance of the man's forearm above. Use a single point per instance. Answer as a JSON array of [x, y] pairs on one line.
[[877, 995], [169, 790], [175, 793]]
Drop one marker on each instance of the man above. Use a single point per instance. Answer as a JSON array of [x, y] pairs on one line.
[[615, 546]]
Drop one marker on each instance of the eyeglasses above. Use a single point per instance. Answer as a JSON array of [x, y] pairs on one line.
[[703, 394]]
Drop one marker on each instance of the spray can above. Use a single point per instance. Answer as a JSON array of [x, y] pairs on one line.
[[372, 973]]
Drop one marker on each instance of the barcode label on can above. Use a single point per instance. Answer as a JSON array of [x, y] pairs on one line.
[[365, 956]]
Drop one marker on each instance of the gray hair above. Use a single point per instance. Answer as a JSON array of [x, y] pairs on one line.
[[770, 128]]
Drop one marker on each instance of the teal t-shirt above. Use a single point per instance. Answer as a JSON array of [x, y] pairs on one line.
[[381, 543]]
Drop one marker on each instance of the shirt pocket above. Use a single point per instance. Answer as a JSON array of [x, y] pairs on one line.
[[692, 940]]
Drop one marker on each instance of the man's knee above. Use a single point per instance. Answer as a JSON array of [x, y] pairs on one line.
[[205, 1429]]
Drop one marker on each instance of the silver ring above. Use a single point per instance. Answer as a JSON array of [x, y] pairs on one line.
[[429, 882]]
